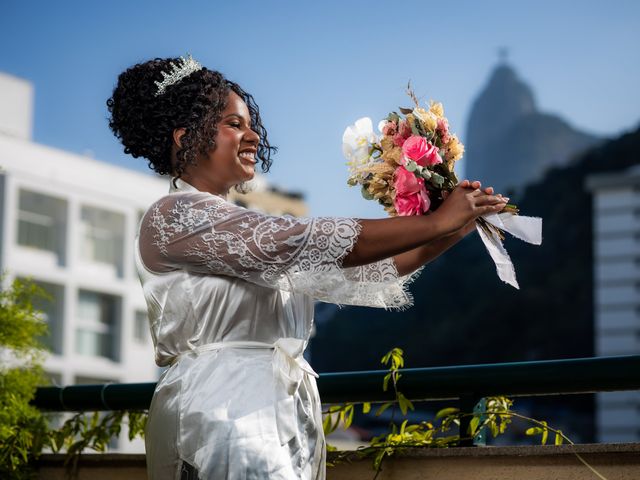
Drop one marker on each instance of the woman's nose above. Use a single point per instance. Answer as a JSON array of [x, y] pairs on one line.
[[252, 137]]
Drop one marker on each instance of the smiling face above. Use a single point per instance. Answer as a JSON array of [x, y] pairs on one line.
[[233, 159]]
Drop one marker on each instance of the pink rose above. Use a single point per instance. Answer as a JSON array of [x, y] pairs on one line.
[[443, 129], [404, 132], [390, 128], [406, 182], [398, 139], [422, 152], [415, 204], [433, 156], [411, 195]]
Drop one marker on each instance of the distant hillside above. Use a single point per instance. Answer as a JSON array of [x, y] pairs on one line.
[[509, 143], [465, 314]]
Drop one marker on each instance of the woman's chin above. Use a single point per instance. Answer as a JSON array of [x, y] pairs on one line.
[[249, 175]]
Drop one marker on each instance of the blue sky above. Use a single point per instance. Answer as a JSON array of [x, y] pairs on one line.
[[315, 67]]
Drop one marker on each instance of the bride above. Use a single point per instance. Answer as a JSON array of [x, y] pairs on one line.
[[230, 292]]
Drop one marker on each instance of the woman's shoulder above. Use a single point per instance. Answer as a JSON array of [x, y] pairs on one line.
[[185, 200], [178, 207]]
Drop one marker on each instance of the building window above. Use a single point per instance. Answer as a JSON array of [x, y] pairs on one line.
[[51, 308], [41, 221], [140, 326], [102, 236], [97, 324]]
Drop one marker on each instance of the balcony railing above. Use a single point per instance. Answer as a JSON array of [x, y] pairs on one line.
[[467, 383]]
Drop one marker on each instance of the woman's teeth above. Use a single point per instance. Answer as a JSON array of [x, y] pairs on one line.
[[248, 156]]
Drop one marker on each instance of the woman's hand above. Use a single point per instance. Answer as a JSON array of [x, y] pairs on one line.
[[466, 203]]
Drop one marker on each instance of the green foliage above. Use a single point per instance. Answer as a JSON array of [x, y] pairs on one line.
[[23, 428], [492, 413], [94, 431]]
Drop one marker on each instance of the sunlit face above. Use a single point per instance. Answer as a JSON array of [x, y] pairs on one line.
[[233, 159]]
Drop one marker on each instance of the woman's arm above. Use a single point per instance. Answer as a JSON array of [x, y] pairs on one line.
[[393, 237], [409, 262]]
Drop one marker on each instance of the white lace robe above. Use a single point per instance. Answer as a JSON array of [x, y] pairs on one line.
[[230, 297]]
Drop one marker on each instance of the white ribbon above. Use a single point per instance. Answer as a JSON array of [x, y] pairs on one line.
[[528, 229]]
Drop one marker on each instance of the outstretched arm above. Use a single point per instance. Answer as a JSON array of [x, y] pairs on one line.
[[414, 241]]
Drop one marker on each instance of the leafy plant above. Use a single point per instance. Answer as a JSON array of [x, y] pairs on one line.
[[23, 428], [25, 431], [94, 431], [491, 413]]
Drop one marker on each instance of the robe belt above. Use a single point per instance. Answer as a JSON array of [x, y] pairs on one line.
[[287, 353]]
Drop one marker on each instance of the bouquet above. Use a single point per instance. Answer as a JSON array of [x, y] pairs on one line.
[[409, 167]]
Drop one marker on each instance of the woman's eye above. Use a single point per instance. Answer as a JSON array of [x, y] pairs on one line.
[[236, 125]]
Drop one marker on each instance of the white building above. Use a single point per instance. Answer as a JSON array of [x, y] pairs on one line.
[[616, 234], [68, 222]]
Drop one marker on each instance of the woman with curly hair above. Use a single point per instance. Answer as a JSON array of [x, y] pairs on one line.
[[230, 291]]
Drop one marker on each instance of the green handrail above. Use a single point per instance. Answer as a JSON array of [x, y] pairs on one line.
[[467, 382]]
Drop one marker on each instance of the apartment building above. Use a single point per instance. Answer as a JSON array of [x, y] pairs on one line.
[[616, 237]]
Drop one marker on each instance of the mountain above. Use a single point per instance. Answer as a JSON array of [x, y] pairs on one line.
[[509, 142]]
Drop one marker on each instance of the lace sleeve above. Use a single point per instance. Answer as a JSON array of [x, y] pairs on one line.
[[205, 234]]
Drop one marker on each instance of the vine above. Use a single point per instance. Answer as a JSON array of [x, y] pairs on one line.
[[492, 413]]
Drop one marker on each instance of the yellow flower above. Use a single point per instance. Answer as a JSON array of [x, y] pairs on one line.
[[454, 149], [428, 118], [437, 109], [387, 143], [393, 156]]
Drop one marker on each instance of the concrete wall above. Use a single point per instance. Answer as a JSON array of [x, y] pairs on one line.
[[614, 461]]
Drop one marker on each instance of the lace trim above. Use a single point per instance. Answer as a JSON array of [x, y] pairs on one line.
[[305, 255]]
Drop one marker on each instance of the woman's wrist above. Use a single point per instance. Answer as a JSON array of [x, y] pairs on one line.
[[439, 225]]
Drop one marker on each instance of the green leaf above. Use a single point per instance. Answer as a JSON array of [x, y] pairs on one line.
[[403, 426], [405, 403], [385, 382], [366, 407], [473, 425], [445, 412], [326, 424], [559, 438], [365, 193], [348, 417], [382, 408], [533, 431], [393, 117], [437, 179]]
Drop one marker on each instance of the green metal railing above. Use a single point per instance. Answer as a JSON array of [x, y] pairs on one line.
[[467, 383]]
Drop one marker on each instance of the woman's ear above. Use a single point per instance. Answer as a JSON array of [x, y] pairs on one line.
[[177, 136]]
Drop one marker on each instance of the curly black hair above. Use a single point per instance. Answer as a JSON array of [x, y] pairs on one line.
[[144, 122]]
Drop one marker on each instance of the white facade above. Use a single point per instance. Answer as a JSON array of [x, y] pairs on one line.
[[16, 111], [68, 223], [616, 237]]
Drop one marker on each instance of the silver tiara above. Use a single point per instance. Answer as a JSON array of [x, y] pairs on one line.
[[177, 73]]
